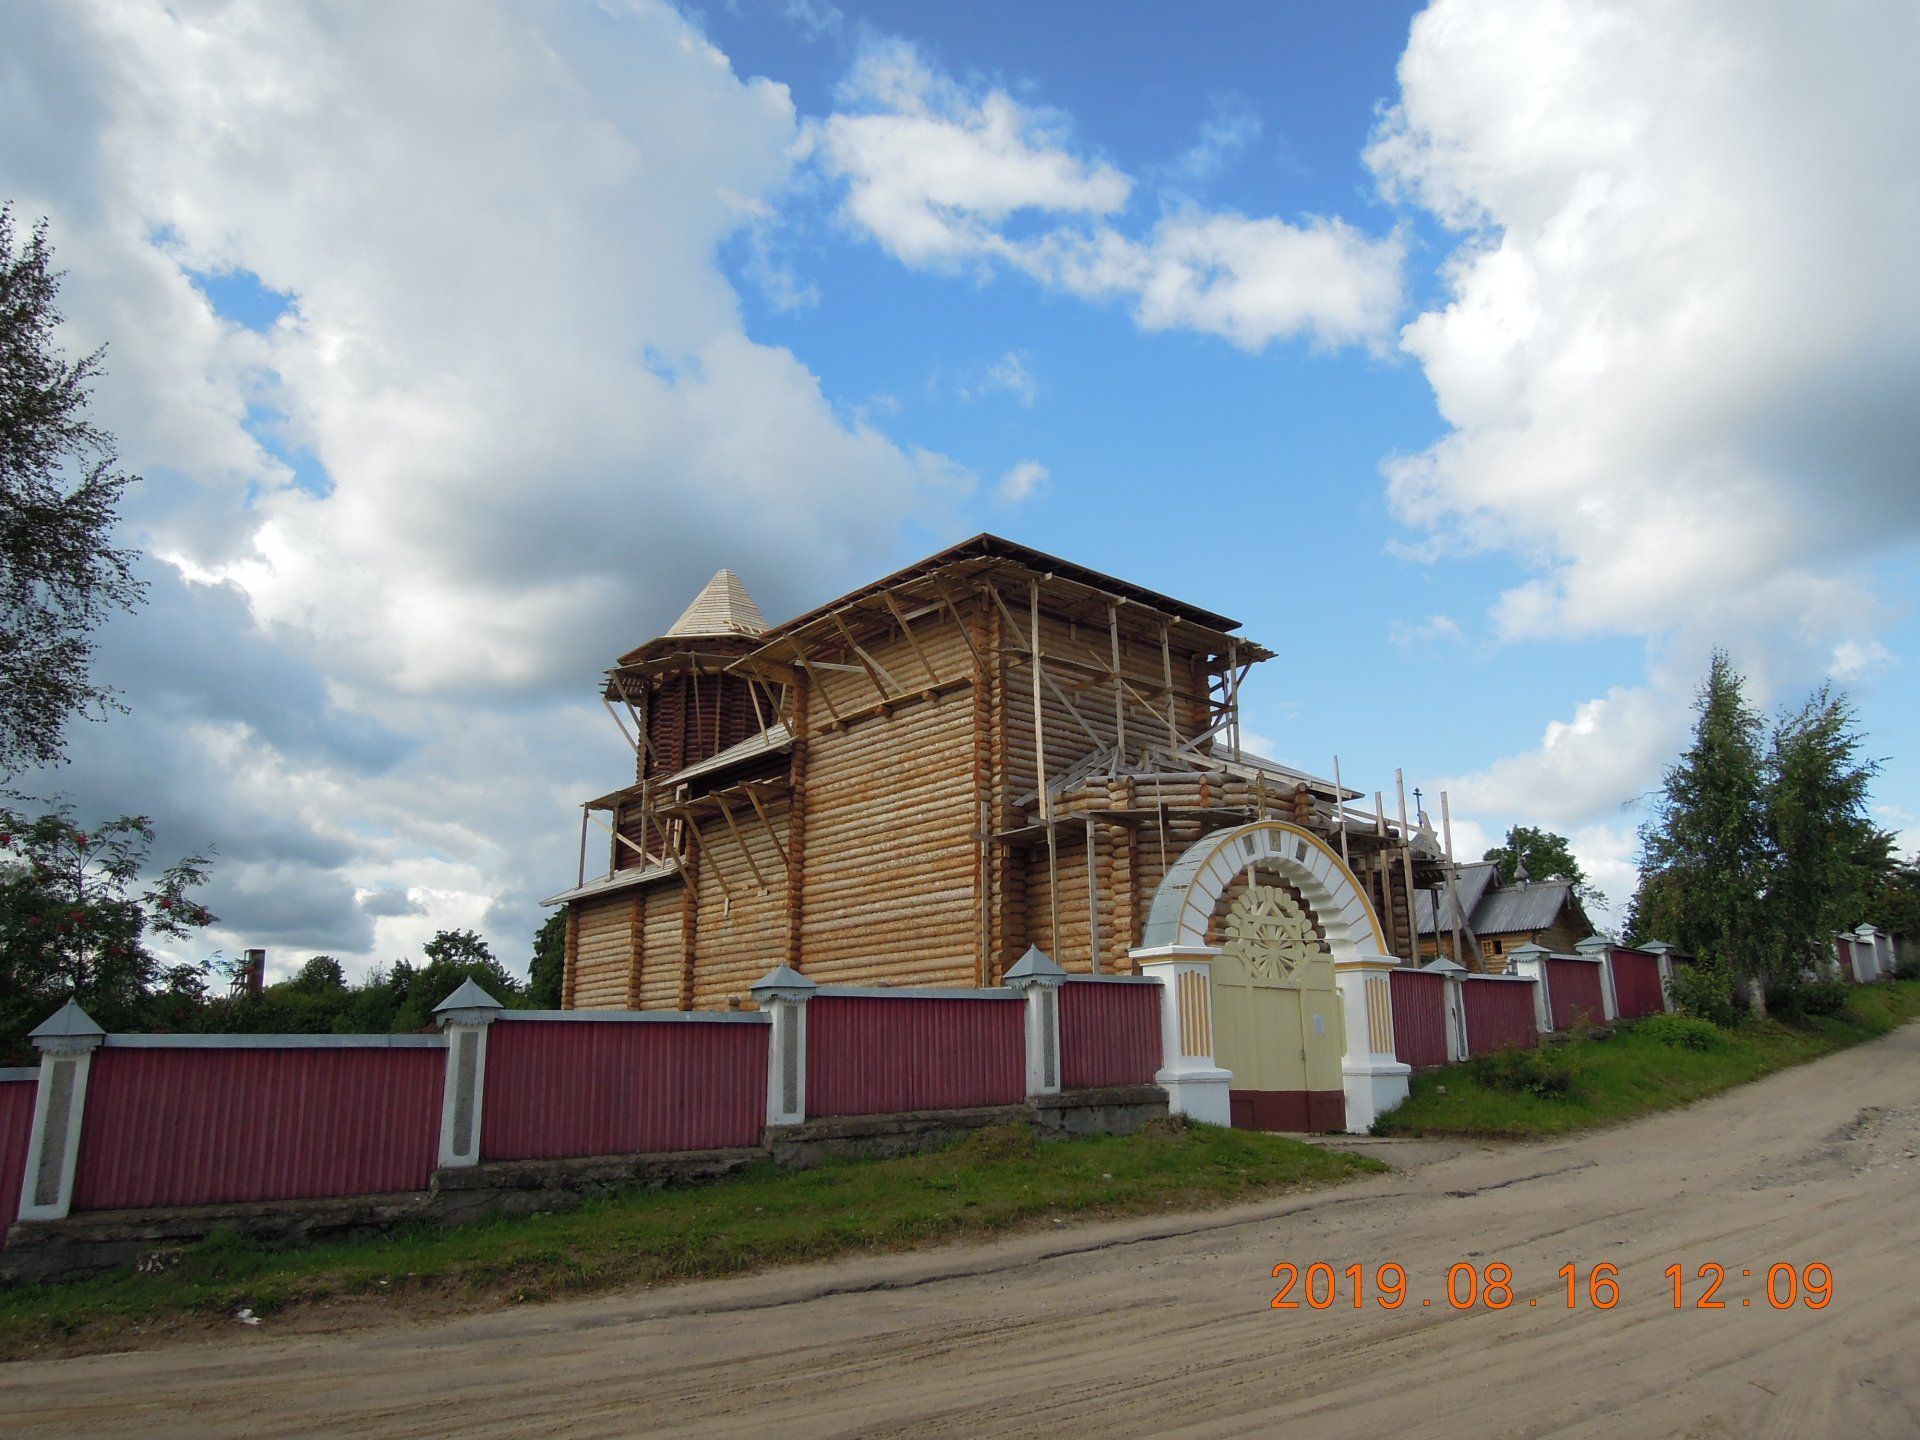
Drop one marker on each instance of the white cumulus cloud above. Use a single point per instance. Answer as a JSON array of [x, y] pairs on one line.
[[936, 172], [1677, 351], [507, 422], [1021, 483]]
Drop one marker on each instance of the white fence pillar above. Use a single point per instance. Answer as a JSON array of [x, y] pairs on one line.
[[1195, 1085], [1529, 962], [1037, 978], [1599, 949], [66, 1041], [464, 1018], [1371, 1072], [1662, 954], [1456, 1006], [783, 993]]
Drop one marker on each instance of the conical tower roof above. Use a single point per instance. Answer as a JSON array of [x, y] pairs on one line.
[[723, 608]]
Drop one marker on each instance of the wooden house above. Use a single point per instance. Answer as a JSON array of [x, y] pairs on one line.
[[909, 785], [1495, 917]]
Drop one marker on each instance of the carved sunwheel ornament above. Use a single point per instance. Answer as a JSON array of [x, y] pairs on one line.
[[1269, 933]]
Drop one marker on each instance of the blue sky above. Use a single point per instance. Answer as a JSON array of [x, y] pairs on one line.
[[1492, 361]]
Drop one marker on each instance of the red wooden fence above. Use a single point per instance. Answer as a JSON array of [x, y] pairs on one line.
[[872, 1054], [172, 1125], [1573, 988], [16, 1129], [622, 1086], [1109, 1032], [1499, 1014], [1419, 1017], [1636, 984]]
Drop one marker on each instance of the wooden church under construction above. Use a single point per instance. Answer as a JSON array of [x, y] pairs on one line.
[[988, 750]]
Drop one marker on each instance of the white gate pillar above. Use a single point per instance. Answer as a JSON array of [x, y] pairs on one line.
[[1195, 1085], [1662, 954], [1371, 1072], [1038, 979], [1456, 1005], [465, 1016], [783, 993], [1530, 963], [66, 1041], [1599, 948]]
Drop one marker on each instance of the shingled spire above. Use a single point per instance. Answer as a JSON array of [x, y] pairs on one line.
[[723, 608]]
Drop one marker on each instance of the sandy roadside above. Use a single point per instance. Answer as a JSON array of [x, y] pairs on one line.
[[1163, 1326]]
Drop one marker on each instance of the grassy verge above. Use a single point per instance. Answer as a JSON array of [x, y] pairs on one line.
[[1637, 1070], [994, 1181]]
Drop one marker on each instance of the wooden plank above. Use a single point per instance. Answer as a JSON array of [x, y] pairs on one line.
[[913, 642], [753, 798], [1040, 763], [726, 814], [875, 670]]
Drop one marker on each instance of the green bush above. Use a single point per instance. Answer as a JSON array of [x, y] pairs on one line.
[[1682, 1032], [1547, 1074], [1823, 997], [1704, 990]]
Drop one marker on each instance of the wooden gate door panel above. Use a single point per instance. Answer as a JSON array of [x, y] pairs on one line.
[[1276, 1017]]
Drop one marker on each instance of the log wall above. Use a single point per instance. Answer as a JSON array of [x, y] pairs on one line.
[[888, 889], [663, 913], [742, 930], [602, 953]]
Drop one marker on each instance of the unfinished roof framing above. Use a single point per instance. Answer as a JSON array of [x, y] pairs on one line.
[[989, 749]]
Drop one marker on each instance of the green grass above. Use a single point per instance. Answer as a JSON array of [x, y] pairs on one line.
[[994, 1181], [1633, 1072]]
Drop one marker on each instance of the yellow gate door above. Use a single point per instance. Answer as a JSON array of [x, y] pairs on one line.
[[1276, 1016]]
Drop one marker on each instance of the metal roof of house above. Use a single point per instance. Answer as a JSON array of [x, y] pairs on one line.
[[1492, 908], [1533, 906]]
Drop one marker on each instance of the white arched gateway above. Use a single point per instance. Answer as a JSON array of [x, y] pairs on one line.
[[1278, 1013]]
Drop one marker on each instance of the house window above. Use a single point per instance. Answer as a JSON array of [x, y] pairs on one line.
[[1497, 948]]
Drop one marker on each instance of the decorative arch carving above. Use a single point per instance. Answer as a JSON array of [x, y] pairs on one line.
[[1187, 897]]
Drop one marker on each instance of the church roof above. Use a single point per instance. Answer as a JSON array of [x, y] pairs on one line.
[[723, 608]]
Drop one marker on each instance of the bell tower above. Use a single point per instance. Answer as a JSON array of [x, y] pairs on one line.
[[688, 708]]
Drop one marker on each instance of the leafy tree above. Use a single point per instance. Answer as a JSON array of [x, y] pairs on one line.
[[1546, 855], [74, 924], [1893, 900], [454, 956], [322, 975], [547, 975], [1824, 852], [1703, 855], [60, 490]]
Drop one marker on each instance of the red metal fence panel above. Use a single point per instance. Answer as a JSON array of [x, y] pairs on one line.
[[1499, 1014], [622, 1087], [1573, 988], [1109, 1033], [1636, 984], [204, 1125], [16, 1129], [871, 1055], [1419, 1017], [1844, 951]]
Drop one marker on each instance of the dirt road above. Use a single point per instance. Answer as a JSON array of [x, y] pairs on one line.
[[1164, 1327]]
